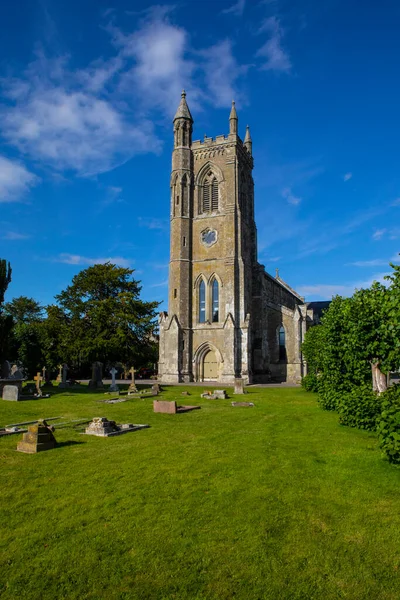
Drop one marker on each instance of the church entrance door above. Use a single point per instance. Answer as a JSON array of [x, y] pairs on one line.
[[210, 367]]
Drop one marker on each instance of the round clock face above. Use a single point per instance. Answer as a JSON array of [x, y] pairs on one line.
[[209, 237]]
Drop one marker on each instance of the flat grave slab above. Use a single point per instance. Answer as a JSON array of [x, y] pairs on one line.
[[245, 404], [171, 407]]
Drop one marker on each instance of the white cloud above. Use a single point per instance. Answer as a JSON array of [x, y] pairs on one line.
[[236, 9], [221, 72], [275, 56], [14, 235], [378, 234], [55, 116], [326, 291], [160, 67], [15, 180], [77, 259], [290, 197], [347, 176]]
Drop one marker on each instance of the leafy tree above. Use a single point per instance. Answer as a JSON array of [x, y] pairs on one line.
[[6, 322], [25, 343], [105, 319], [24, 310]]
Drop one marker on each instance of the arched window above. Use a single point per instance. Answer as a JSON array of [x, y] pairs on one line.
[[202, 302], [210, 200], [215, 301], [282, 343]]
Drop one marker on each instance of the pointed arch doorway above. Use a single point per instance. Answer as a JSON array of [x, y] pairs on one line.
[[207, 362], [210, 366]]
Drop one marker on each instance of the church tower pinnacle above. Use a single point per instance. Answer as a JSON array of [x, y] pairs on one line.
[[233, 120], [248, 143]]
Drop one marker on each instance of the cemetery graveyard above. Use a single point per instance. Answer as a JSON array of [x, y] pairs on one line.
[[216, 503]]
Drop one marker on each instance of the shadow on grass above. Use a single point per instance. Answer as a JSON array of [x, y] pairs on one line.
[[68, 443]]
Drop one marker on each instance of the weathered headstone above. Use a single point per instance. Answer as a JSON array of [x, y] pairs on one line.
[[97, 376], [155, 389], [132, 388], [170, 407], [39, 437], [164, 406], [11, 392], [59, 376], [113, 386], [245, 404], [239, 386], [38, 378], [5, 370], [64, 381], [214, 395]]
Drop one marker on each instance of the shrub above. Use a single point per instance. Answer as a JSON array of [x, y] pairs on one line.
[[310, 382], [389, 424], [360, 407], [328, 397]]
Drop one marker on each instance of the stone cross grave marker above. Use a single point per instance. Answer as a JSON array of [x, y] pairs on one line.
[[59, 376], [44, 373], [113, 386], [132, 387], [38, 378]]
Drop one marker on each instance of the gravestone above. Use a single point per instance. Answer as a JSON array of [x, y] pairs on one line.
[[102, 427], [245, 404], [59, 376], [5, 370], [171, 408], [11, 392], [215, 395], [155, 389], [97, 376], [239, 386], [17, 372], [113, 386], [132, 388], [64, 382], [38, 378], [39, 437]]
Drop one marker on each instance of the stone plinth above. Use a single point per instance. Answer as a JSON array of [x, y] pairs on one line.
[[239, 386], [11, 392], [38, 438]]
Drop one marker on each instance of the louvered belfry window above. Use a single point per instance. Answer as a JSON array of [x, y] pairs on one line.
[[210, 194]]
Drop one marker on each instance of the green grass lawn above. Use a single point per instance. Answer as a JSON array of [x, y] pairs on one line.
[[272, 502]]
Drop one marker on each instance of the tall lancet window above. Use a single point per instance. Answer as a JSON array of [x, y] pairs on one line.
[[202, 302], [215, 301], [282, 343], [210, 200]]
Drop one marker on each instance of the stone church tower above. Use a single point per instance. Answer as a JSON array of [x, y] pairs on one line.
[[227, 317]]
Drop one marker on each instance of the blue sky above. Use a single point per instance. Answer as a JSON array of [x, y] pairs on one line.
[[88, 90]]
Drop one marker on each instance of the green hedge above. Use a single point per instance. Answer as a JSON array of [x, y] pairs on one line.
[[361, 407], [310, 382], [389, 424]]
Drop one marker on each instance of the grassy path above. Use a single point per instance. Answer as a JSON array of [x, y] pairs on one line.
[[272, 502]]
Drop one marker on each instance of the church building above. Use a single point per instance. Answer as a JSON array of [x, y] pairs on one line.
[[227, 317]]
